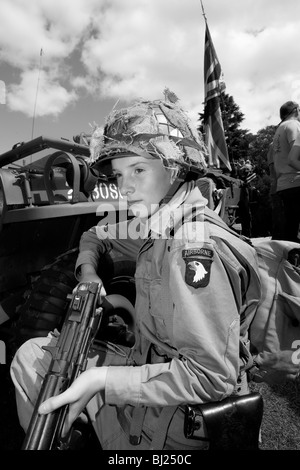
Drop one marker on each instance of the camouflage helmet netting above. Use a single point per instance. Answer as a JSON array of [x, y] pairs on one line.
[[152, 129]]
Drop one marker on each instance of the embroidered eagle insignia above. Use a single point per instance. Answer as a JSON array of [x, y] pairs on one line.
[[199, 269], [198, 265]]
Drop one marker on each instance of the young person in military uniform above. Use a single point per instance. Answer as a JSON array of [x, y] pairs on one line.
[[195, 294]]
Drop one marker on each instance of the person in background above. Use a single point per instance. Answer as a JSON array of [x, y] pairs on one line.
[[247, 175], [194, 296], [287, 176], [278, 221], [294, 155]]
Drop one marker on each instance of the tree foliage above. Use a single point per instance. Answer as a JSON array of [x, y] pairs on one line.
[[242, 145], [237, 139], [259, 147], [258, 150]]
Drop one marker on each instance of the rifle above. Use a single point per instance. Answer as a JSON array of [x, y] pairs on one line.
[[69, 358]]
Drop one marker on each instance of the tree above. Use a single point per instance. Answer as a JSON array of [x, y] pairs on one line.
[[237, 139], [262, 210], [259, 147], [258, 150]]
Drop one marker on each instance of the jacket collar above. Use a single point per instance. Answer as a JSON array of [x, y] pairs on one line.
[[187, 203]]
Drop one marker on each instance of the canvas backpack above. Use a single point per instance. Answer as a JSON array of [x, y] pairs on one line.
[[274, 328]]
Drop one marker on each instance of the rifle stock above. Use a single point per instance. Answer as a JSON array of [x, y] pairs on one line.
[[69, 358]]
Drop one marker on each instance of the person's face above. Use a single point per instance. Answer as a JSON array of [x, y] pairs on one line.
[[144, 182]]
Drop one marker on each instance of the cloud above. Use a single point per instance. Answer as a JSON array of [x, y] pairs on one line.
[[52, 97], [26, 27], [137, 51], [124, 50], [140, 48], [56, 27], [2, 92]]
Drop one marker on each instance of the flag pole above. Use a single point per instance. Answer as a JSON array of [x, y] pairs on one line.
[[213, 123], [203, 12]]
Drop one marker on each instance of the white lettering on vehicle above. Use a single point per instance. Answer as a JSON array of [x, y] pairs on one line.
[[102, 191]]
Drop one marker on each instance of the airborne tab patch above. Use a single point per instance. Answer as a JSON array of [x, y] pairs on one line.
[[198, 264]]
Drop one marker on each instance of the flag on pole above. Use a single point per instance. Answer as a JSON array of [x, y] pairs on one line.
[[213, 124]]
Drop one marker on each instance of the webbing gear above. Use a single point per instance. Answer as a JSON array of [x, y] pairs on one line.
[[162, 426], [136, 426], [160, 430]]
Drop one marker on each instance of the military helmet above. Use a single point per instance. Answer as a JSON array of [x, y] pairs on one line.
[[151, 129]]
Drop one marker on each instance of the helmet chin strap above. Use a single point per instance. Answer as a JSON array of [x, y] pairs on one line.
[[186, 173], [180, 179]]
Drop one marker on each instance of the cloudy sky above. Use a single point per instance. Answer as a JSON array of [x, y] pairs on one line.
[[99, 53]]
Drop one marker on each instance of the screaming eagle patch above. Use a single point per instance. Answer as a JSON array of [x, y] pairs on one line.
[[198, 263]]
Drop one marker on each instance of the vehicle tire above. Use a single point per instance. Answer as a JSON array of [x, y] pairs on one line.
[[46, 303]]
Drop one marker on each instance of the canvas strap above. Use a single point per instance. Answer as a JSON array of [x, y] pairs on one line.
[[136, 426], [162, 426]]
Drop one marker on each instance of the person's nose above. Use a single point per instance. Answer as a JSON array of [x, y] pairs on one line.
[[127, 186]]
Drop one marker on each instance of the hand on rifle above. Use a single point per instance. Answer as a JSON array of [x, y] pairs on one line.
[[77, 396], [89, 274]]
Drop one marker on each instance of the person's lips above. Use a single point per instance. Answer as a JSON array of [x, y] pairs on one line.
[[131, 203]]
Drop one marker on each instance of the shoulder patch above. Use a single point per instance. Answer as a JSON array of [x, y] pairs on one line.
[[197, 266]]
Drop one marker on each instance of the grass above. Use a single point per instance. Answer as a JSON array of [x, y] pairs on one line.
[[280, 428]]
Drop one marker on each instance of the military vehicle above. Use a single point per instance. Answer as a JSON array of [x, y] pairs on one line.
[[48, 198]]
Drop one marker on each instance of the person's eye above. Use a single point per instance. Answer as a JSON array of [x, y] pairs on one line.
[[117, 175], [139, 170]]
